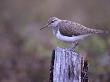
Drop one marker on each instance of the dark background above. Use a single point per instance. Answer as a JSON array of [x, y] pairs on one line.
[[25, 50]]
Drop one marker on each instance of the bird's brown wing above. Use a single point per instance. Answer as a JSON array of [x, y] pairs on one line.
[[69, 28]]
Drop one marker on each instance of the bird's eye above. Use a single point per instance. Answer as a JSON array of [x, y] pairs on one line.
[[52, 21]]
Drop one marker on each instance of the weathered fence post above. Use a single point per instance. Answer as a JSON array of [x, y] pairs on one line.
[[68, 66]]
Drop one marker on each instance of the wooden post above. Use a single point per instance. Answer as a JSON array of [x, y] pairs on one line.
[[67, 66]]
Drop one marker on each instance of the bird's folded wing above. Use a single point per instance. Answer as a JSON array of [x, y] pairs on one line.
[[70, 28]]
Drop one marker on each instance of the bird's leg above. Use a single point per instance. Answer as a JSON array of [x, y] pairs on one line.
[[74, 45]]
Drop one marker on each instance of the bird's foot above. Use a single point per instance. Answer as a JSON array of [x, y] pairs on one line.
[[72, 48]]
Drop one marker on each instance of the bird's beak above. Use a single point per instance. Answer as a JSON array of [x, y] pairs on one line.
[[45, 26]]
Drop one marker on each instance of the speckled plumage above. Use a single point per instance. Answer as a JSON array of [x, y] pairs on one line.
[[69, 28]]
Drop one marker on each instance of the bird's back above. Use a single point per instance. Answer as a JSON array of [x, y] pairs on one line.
[[69, 28]]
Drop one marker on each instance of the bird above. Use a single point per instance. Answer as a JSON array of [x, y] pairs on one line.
[[69, 31]]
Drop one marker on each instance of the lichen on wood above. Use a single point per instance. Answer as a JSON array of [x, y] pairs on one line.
[[66, 66]]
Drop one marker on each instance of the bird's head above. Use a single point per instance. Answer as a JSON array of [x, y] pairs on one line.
[[53, 21]]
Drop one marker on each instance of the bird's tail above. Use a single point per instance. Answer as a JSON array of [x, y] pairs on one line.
[[99, 31]]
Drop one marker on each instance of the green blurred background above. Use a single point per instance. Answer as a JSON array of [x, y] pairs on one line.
[[25, 50]]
